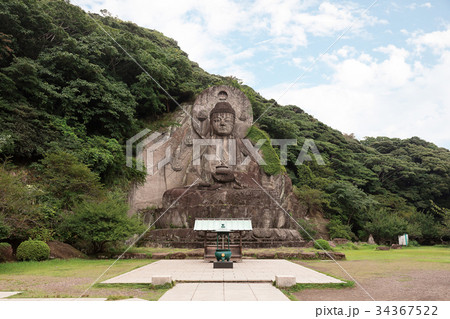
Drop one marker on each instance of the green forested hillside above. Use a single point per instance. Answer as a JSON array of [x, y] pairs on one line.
[[70, 97]]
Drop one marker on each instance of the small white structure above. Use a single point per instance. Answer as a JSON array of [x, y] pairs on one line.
[[403, 240], [161, 280], [285, 281]]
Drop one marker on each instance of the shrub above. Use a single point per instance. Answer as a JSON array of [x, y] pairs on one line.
[[413, 243], [322, 244], [5, 252], [33, 250], [338, 230], [95, 224], [307, 229], [5, 245]]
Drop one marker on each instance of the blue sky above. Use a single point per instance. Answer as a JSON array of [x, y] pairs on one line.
[[387, 73]]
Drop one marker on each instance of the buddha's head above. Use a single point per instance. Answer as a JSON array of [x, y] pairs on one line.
[[222, 118]]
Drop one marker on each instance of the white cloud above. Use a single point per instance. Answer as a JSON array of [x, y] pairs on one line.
[[241, 73], [217, 34], [390, 97], [293, 21], [347, 51], [414, 5], [437, 40], [199, 27]]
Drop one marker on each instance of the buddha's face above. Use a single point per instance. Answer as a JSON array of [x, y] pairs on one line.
[[222, 123]]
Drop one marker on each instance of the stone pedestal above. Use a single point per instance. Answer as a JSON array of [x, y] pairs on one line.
[[198, 202]]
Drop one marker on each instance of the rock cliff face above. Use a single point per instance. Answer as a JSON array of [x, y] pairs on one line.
[[205, 168]]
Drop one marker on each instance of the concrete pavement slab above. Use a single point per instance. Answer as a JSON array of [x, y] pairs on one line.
[[224, 292], [245, 271], [5, 294]]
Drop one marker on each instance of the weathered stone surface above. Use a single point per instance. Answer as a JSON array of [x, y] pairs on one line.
[[195, 253], [308, 255], [64, 251], [287, 255], [396, 246], [248, 254], [325, 255], [338, 256], [265, 255], [340, 241], [206, 101], [160, 255], [371, 241], [161, 280], [184, 206], [332, 244], [383, 248], [309, 244], [177, 255], [283, 281], [188, 238]]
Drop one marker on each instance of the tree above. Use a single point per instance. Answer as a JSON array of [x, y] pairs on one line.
[[350, 202], [20, 213], [97, 223], [385, 226], [69, 180], [444, 227], [5, 230], [339, 230], [314, 199]]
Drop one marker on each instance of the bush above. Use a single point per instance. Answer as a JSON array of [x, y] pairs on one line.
[[307, 229], [322, 244], [338, 230], [33, 250], [95, 224], [5, 252], [413, 243]]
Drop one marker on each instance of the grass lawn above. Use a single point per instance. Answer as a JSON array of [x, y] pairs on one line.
[[70, 278], [419, 254]]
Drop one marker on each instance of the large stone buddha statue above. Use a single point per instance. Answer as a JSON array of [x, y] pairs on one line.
[[221, 170], [213, 174], [219, 162]]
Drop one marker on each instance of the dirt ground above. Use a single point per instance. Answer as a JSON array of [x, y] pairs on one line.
[[383, 280]]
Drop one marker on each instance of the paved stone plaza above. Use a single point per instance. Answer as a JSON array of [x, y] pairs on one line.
[[197, 280], [249, 270], [225, 291]]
